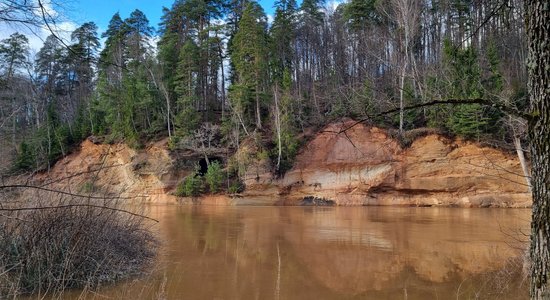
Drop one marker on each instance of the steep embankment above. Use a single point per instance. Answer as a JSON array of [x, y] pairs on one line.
[[117, 170], [365, 166]]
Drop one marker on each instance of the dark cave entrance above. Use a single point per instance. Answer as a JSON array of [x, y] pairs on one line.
[[204, 166]]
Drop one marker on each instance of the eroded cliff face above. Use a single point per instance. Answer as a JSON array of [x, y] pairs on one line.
[[117, 171], [364, 166]]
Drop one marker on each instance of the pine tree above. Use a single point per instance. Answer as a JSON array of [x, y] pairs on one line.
[[310, 46], [361, 13], [173, 30], [249, 56], [138, 36], [188, 23], [13, 53], [283, 35], [125, 95], [186, 85], [108, 105], [84, 51]]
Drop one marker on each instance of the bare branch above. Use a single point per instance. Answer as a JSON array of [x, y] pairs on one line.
[[26, 186], [507, 109], [77, 205]]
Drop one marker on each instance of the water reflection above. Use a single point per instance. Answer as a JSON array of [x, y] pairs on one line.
[[216, 252]]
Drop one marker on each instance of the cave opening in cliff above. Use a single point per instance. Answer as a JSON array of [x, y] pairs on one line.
[[203, 164]]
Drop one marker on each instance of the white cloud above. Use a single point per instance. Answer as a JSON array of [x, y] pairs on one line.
[[334, 4], [62, 27], [37, 36], [48, 8]]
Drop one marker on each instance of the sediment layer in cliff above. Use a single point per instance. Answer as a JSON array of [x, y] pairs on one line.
[[364, 166]]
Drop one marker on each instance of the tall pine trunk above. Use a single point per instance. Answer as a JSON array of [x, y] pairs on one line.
[[538, 31]]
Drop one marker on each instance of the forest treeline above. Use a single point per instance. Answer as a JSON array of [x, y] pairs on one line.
[[216, 72]]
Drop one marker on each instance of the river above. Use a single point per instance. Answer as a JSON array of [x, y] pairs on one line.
[[232, 252]]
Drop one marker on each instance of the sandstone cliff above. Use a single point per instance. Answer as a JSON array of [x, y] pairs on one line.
[[365, 166], [117, 170]]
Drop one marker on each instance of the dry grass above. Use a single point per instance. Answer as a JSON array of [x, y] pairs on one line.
[[46, 251]]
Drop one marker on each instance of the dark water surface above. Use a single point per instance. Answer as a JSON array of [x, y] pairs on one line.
[[217, 252]]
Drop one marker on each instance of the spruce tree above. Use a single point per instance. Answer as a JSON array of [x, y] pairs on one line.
[[283, 34], [187, 117], [249, 56]]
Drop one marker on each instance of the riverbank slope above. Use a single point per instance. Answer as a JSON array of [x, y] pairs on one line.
[[363, 166]]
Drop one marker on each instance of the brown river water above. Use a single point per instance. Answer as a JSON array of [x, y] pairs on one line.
[[232, 252]]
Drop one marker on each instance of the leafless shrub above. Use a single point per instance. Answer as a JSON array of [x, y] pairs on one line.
[[510, 282], [64, 242]]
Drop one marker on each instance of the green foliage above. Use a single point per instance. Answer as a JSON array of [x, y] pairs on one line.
[[87, 187], [236, 187], [312, 12], [313, 62], [127, 97], [494, 83], [13, 53], [361, 13], [173, 143], [468, 120], [288, 142], [249, 55], [52, 141], [25, 160], [44, 147], [191, 186], [83, 52], [187, 118], [262, 155], [283, 34], [82, 126], [290, 148], [214, 176]]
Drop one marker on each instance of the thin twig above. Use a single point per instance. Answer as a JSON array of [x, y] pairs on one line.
[[25, 186], [77, 205], [507, 109]]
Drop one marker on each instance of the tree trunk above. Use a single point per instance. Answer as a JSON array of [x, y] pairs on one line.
[[278, 126], [401, 100], [14, 123], [538, 31], [223, 81], [258, 115], [523, 162]]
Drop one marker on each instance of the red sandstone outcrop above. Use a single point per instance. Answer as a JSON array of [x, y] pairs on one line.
[[364, 166], [116, 170]]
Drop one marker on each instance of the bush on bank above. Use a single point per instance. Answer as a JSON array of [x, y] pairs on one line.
[[48, 250]]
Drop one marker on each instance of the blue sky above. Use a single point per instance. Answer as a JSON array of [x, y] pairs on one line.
[[73, 13], [76, 12], [101, 11]]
